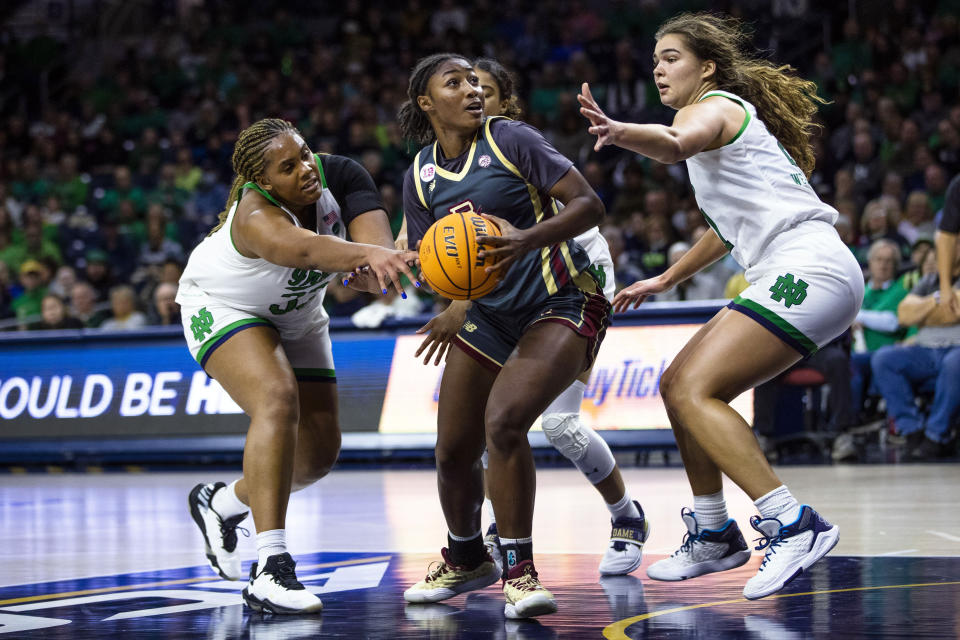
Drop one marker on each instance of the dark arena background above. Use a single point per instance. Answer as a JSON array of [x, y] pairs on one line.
[[117, 125]]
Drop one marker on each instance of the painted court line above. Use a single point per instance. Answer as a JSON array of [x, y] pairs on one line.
[[616, 631], [946, 536]]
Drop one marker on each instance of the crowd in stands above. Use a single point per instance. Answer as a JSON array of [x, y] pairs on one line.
[[112, 174]]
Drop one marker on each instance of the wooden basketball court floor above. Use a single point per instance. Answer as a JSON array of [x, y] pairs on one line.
[[116, 555]]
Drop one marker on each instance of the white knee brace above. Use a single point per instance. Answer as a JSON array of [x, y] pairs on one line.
[[580, 444], [566, 433]]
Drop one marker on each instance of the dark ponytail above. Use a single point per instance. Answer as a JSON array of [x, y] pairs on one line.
[[507, 84]]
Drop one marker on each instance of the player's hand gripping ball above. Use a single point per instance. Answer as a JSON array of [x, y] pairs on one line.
[[448, 257]]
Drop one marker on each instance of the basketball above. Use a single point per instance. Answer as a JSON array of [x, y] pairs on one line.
[[448, 257]]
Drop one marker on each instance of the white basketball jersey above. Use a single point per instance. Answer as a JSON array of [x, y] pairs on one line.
[[750, 190], [283, 295], [595, 244]]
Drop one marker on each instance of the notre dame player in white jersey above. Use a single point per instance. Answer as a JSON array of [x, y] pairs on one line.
[[743, 127], [252, 307], [561, 422]]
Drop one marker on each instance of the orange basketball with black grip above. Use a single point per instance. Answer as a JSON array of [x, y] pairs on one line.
[[448, 257]]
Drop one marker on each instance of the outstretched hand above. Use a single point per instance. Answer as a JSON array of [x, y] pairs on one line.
[[636, 293], [388, 265], [507, 247], [440, 330], [600, 125]]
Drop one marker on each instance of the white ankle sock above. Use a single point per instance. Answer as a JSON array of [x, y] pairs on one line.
[[779, 504], [488, 509], [226, 503], [625, 507], [710, 510], [270, 543]]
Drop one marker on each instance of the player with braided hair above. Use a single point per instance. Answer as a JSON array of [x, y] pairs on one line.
[[252, 307]]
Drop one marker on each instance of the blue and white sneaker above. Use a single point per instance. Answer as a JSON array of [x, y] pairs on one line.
[[703, 551], [791, 549], [625, 552]]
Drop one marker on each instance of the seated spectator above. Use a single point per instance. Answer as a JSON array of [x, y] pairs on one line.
[[164, 309], [877, 223], [122, 189], [706, 284], [917, 219], [34, 276], [931, 362], [876, 325], [83, 305], [155, 250], [54, 315], [919, 251], [648, 245], [38, 247], [123, 301], [63, 281], [99, 273]]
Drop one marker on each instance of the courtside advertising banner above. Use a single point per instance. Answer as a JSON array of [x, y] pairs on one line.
[[116, 385], [623, 391]]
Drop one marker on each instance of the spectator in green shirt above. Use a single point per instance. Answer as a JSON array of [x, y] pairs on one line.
[[123, 189], [70, 186], [878, 316], [39, 247]]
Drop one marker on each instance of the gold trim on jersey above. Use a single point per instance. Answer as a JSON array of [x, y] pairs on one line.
[[547, 271], [417, 181], [449, 175]]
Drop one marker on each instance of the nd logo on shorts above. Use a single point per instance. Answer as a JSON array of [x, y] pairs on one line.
[[201, 324], [788, 291], [427, 172]]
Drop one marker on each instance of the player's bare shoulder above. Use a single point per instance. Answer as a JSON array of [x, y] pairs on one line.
[[255, 215]]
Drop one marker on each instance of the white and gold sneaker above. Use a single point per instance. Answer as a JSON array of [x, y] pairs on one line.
[[526, 597], [445, 579]]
